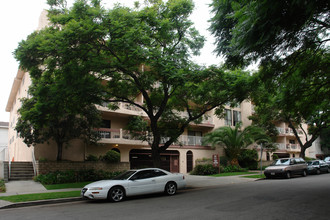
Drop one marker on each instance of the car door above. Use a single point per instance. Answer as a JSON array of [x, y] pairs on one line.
[[142, 182], [161, 179], [323, 166]]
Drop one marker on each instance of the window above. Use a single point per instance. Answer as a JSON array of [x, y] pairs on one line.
[[232, 117], [237, 117], [194, 138], [228, 117]]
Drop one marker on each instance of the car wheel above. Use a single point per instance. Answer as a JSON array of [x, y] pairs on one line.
[[304, 173], [116, 194], [288, 175], [170, 188], [328, 170], [318, 171]]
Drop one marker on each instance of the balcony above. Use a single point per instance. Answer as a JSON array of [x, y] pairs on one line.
[[288, 147], [124, 108], [288, 131], [120, 136]]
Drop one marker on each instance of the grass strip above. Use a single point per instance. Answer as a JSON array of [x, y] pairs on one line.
[[258, 176], [40, 196], [66, 185], [232, 174]]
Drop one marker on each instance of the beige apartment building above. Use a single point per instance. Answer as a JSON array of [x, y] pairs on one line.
[[180, 157]]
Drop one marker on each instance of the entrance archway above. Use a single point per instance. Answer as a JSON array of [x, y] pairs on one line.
[[189, 159]]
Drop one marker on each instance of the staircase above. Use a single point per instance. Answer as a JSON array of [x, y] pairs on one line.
[[21, 171]]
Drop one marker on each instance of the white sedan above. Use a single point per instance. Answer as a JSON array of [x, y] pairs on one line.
[[135, 182]]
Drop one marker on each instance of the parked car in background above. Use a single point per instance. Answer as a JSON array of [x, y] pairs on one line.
[[135, 182], [327, 160], [318, 166], [286, 167]]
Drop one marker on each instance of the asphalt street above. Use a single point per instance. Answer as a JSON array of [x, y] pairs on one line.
[[296, 198]]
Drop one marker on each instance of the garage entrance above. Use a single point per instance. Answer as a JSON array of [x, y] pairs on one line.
[[142, 158]]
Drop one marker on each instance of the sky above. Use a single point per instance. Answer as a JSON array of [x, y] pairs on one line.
[[19, 18]]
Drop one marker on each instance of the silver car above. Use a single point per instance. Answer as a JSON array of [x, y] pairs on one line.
[[318, 166], [135, 182], [286, 167]]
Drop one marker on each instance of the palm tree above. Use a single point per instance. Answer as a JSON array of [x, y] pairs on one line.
[[234, 140]]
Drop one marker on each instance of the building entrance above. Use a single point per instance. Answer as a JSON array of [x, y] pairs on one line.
[[142, 159]]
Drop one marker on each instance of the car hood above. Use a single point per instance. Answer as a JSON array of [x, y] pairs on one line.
[[275, 167], [106, 183]]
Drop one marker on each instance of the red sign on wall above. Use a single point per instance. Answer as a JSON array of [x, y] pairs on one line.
[[215, 159]]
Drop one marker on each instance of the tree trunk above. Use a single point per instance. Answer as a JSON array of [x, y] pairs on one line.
[[59, 151], [155, 153]]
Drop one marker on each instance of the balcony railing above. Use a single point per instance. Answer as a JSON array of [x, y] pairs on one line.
[[288, 147], [288, 131], [184, 140]]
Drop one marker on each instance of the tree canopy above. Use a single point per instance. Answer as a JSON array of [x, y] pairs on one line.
[[290, 41], [143, 51]]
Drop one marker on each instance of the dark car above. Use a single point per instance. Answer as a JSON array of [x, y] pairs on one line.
[[286, 167], [318, 166]]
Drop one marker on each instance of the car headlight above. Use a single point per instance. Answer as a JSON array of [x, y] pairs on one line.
[[95, 188]]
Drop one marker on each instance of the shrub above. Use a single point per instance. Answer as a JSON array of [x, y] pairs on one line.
[[275, 156], [92, 158], [2, 186], [248, 159], [233, 168], [224, 161], [71, 176], [111, 157], [206, 169]]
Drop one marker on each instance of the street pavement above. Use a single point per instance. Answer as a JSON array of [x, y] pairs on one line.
[[30, 187]]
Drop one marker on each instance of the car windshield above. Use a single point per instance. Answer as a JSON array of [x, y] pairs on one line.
[[281, 162], [124, 176], [309, 163]]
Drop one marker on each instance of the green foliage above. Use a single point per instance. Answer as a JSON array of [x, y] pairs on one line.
[[248, 159], [234, 168], [275, 156], [70, 176], [40, 196], [224, 161], [325, 138], [206, 169], [293, 58], [146, 50], [2, 186], [234, 140], [111, 157], [92, 158], [309, 158]]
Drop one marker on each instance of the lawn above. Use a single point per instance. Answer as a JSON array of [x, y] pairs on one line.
[[232, 174], [257, 176], [40, 196], [66, 185]]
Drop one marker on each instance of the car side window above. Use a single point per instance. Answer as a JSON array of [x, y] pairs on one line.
[[316, 163], [159, 173], [143, 175]]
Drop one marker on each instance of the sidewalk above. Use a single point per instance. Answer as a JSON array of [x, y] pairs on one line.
[[30, 187]]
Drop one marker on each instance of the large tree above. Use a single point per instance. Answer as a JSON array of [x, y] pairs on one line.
[[141, 51], [290, 40], [60, 108]]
